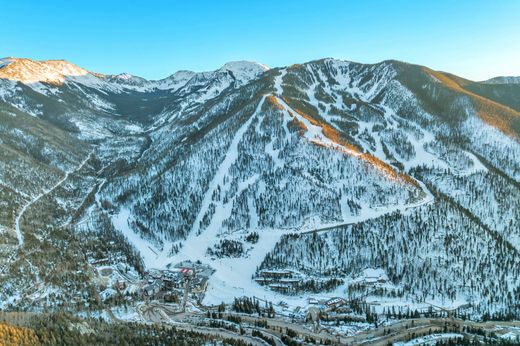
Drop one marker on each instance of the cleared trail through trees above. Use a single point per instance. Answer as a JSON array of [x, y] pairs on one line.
[[429, 198], [19, 232], [315, 134]]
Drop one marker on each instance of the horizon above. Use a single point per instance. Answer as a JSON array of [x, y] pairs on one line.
[[250, 61], [470, 39]]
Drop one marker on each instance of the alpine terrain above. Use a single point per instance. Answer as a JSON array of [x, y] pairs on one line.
[[346, 197]]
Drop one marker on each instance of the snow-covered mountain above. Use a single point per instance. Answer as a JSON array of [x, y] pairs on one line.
[[329, 169], [57, 72]]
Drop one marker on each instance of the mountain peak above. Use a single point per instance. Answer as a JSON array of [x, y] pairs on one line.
[[128, 79], [244, 65], [244, 71], [32, 71], [124, 75]]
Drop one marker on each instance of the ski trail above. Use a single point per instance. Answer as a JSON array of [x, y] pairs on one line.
[[314, 133], [233, 277], [231, 156], [278, 83], [18, 230], [195, 245]]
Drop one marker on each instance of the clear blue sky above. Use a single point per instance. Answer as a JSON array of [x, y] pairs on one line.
[[472, 38]]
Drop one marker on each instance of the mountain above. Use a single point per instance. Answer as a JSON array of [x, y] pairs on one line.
[[329, 171], [503, 80]]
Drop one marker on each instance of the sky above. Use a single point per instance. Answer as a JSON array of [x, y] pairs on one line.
[[474, 39]]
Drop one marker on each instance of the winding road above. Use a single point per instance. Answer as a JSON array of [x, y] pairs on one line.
[[276, 327], [19, 232]]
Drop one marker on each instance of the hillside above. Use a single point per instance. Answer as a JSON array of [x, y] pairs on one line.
[[328, 170]]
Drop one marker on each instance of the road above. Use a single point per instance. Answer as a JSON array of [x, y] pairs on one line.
[[276, 327], [160, 314], [19, 232], [424, 201], [427, 199]]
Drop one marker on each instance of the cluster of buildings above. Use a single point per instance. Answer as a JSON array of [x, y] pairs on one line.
[[170, 285]]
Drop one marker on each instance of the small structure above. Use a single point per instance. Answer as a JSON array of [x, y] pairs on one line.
[[280, 280], [280, 287], [313, 316], [101, 261], [336, 302], [276, 274], [312, 301], [263, 281], [200, 284], [188, 274], [151, 290]]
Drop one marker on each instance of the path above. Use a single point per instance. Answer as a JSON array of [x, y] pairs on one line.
[[19, 232]]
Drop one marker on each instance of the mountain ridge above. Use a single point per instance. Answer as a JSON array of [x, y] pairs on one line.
[[147, 178], [17, 68]]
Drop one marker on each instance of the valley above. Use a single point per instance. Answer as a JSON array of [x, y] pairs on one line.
[[348, 203]]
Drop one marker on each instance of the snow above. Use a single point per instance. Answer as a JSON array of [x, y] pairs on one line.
[[90, 130], [492, 144], [244, 71], [476, 167], [503, 80], [175, 81], [126, 313], [124, 76], [51, 71], [133, 128], [218, 179], [58, 72], [431, 339], [510, 336], [373, 273], [314, 133], [121, 221], [5, 62], [233, 276], [278, 82], [245, 67], [195, 246], [18, 229], [274, 155]]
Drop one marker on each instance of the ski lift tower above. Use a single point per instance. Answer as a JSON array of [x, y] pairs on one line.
[[188, 274]]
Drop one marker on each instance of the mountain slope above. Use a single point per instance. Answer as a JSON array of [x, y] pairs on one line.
[[383, 158]]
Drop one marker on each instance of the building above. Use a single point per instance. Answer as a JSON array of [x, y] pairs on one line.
[[335, 302], [200, 284], [312, 301], [279, 287], [151, 290], [276, 274]]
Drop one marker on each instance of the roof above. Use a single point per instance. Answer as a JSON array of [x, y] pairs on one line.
[[335, 300]]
